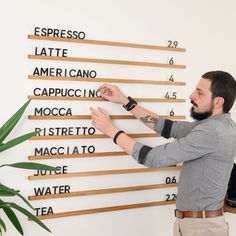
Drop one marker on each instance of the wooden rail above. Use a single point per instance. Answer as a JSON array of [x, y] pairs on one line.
[[107, 61], [102, 172], [88, 117], [104, 209], [87, 136], [82, 155], [102, 191], [101, 99], [106, 43], [105, 80], [228, 208]]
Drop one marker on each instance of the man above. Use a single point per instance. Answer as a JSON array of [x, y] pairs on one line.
[[206, 147]]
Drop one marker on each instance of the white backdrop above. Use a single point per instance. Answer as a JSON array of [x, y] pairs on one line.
[[204, 28]]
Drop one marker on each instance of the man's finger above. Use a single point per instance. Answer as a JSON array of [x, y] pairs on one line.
[[95, 113], [93, 110], [108, 97], [103, 111], [104, 86]]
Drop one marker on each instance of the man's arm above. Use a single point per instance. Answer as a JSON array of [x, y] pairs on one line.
[[112, 93], [148, 118], [102, 121], [200, 142], [159, 124]]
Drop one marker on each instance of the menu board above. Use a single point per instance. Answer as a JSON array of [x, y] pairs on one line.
[[67, 76]]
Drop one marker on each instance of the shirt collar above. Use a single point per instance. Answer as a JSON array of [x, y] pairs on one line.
[[217, 117]]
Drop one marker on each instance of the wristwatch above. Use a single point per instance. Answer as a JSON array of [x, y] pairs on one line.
[[130, 105]]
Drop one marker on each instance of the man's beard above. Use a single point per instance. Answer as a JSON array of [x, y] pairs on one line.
[[201, 115]]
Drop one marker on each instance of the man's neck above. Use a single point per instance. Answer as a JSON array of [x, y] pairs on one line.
[[217, 112]]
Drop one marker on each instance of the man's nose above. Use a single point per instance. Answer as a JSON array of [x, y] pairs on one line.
[[191, 96]]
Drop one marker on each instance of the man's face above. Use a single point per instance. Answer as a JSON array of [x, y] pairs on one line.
[[202, 101]]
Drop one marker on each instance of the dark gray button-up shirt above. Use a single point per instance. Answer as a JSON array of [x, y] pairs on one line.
[[207, 149]]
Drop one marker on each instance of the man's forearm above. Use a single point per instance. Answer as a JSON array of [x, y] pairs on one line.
[[126, 143], [123, 140], [148, 118]]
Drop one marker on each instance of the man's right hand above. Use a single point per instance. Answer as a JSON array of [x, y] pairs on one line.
[[113, 94]]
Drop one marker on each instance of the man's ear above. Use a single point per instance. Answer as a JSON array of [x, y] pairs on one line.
[[219, 102]]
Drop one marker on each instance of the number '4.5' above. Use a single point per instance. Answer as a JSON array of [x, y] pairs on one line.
[[169, 95]]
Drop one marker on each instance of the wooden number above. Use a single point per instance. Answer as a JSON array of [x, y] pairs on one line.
[[171, 197], [171, 61], [172, 112], [171, 95], [170, 180], [172, 44], [171, 78], [172, 166]]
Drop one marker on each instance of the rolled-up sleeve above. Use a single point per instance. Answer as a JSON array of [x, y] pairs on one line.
[[201, 141], [174, 129]]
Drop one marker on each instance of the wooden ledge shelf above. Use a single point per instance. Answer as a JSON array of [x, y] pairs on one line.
[[87, 136], [101, 99], [103, 172], [102, 191], [106, 80], [107, 61], [83, 155], [106, 43], [105, 209], [229, 209], [88, 117]]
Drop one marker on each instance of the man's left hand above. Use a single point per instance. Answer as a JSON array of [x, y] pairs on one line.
[[102, 121]]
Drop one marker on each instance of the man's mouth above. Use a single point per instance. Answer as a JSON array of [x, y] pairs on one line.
[[194, 104]]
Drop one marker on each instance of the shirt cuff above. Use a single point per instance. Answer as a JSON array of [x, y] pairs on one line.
[[160, 125], [136, 150]]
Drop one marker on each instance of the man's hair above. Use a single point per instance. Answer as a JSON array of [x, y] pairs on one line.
[[222, 85]]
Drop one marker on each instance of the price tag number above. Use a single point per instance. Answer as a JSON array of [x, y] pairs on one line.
[[172, 44], [171, 61], [172, 114], [171, 95], [171, 78], [171, 180], [171, 197]]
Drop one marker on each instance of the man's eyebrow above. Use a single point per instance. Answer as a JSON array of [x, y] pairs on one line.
[[198, 89]]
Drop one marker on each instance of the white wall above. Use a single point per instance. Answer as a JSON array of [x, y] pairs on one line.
[[204, 28]]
